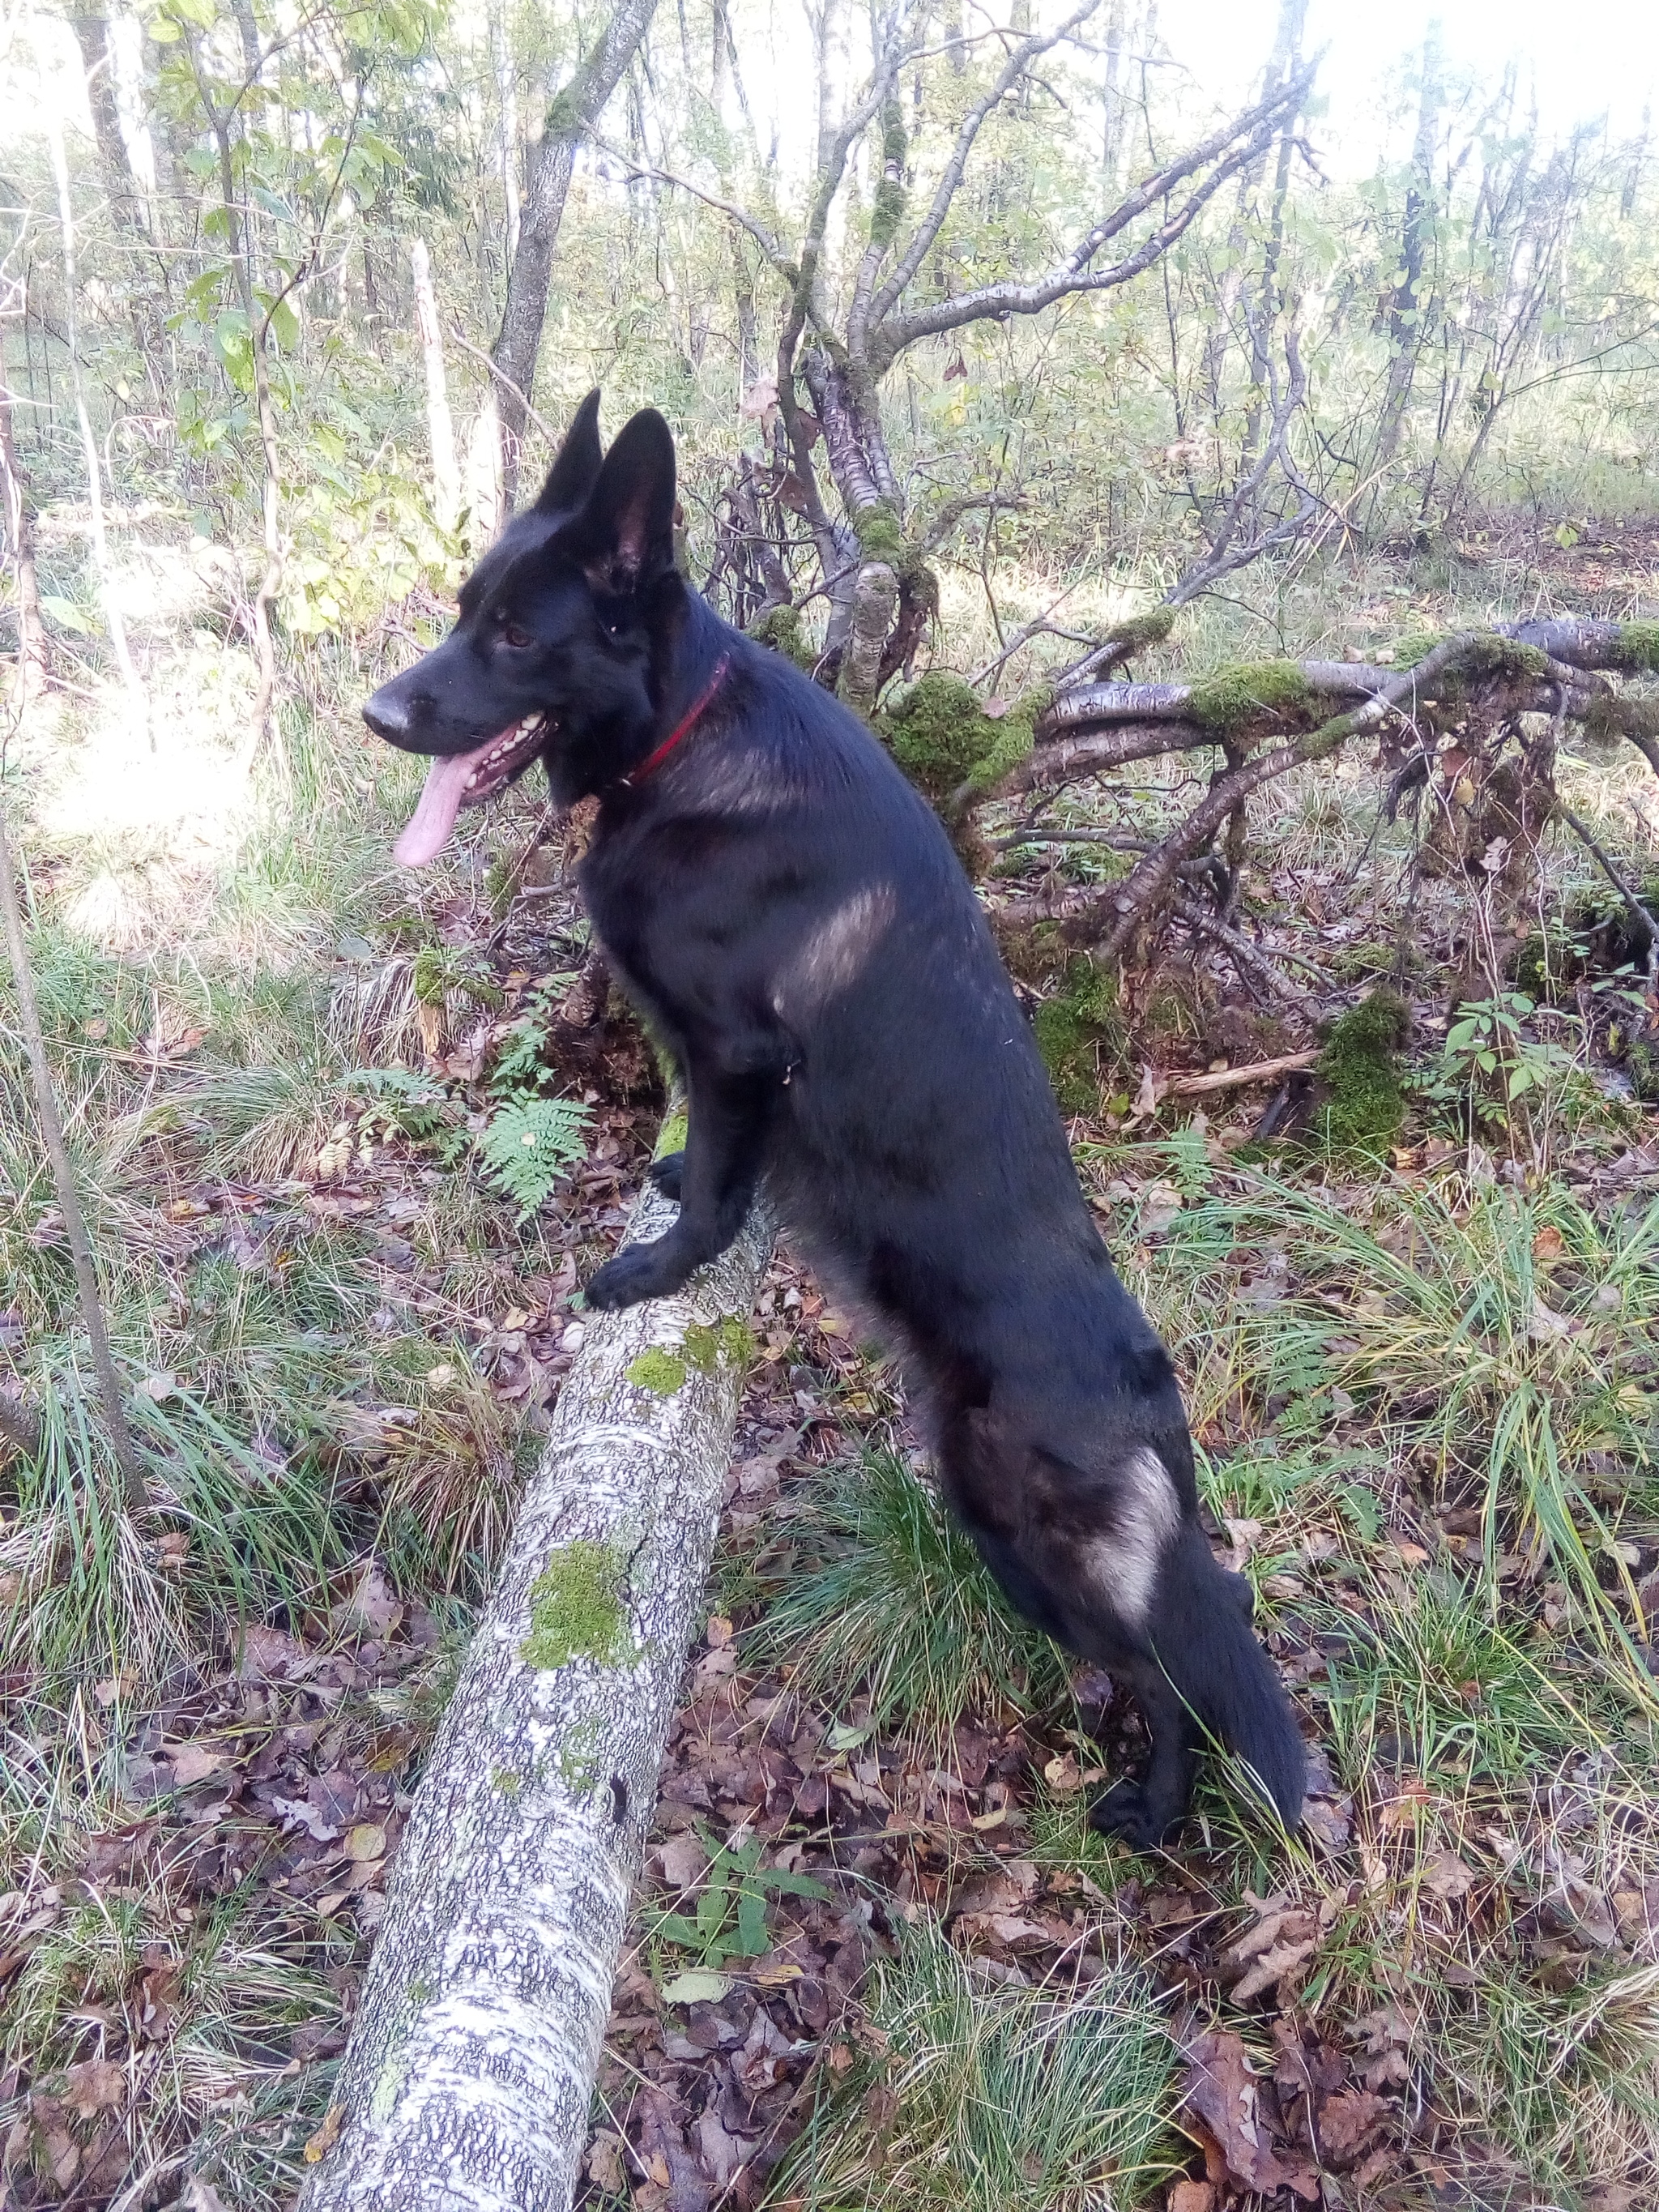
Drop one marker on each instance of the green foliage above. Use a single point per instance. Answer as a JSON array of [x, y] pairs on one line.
[[577, 1609], [529, 1144], [736, 1894], [1250, 691], [1488, 1060], [1076, 1028], [1364, 1108], [418, 1107]]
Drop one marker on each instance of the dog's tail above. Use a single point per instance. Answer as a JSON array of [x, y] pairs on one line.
[[1217, 1663]]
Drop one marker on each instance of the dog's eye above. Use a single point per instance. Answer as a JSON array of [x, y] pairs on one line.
[[517, 638]]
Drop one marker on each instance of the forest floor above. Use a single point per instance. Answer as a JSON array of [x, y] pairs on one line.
[[1423, 1390]]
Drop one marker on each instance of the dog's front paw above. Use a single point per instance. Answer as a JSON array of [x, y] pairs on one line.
[[1123, 1811], [666, 1172], [643, 1271]]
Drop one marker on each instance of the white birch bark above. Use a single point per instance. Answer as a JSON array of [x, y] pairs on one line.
[[440, 426], [469, 2076]]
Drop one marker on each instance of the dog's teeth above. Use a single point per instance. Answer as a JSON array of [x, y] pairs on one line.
[[472, 778]]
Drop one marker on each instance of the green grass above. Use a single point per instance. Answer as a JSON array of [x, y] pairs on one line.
[[897, 1610], [998, 2099]]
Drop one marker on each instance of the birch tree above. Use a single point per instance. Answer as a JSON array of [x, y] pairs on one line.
[[469, 2071]]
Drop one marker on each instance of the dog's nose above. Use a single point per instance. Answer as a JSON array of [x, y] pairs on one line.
[[387, 714]]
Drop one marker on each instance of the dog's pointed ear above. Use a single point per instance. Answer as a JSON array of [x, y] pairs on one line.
[[626, 534], [576, 465]]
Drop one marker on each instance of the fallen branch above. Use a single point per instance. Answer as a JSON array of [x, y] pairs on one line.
[[1231, 1078], [469, 2076]]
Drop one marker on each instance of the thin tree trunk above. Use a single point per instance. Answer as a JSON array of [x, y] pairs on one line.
[[571, 115], [240, 241], [507, 91], [62, 1176], [34, 655], [440, 428], [1407, 313], [469, 2077], [112, 620]]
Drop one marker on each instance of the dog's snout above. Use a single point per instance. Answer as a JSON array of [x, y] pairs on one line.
[[392, 713]]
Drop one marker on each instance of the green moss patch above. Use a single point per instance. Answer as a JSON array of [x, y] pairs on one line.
[[1363, 1109], [880, 534], [941, 736], [576, 1608], [728, 1338], [781, 628], [660, 1372], [1250, 690], [1074, 1028], [671, 1137], [1639, 647]]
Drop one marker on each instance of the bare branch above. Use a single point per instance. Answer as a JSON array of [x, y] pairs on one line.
[[1230, 147], [934, 222]]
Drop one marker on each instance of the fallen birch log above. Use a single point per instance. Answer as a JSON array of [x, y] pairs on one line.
[[469, 2075]]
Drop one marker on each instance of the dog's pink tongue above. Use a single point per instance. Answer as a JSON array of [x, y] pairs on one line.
[[442, 795]]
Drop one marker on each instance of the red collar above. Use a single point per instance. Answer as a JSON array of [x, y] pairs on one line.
[[684, 726]]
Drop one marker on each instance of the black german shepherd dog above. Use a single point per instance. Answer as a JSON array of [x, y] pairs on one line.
[[791, 920]]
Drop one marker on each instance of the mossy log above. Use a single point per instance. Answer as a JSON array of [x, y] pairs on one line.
[[469, 2076], [1275, 715]]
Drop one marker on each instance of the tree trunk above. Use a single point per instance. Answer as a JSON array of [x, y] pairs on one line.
[[571, 115], [33, 656], [440, 426], [469, 2076], [112, 620], [1406, 309]]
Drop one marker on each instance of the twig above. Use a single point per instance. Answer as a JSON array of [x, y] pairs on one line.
[[1230, 1078], [68, 1203], [1615, 875], [506, 383], [1251, 958]]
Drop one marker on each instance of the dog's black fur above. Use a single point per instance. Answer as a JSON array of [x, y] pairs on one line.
[[790, 916]]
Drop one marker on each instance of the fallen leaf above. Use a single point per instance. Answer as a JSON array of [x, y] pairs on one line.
[[1348, 2121], [723, 2155], [684, 1860], [694, 1988], [1190, 2196], [1272, 1966], [326, 2136], [1063, 1776], [1226, 2094], [1548, 1244], [366, 1843], [160, 1388], [296, 1813], [194, 1762], [96, 2085], [1446, 1875]]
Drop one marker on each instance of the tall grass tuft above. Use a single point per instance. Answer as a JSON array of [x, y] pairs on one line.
[[900, 1606], [999, 2098]]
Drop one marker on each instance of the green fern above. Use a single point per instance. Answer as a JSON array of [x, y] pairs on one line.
[[528, 1144]]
